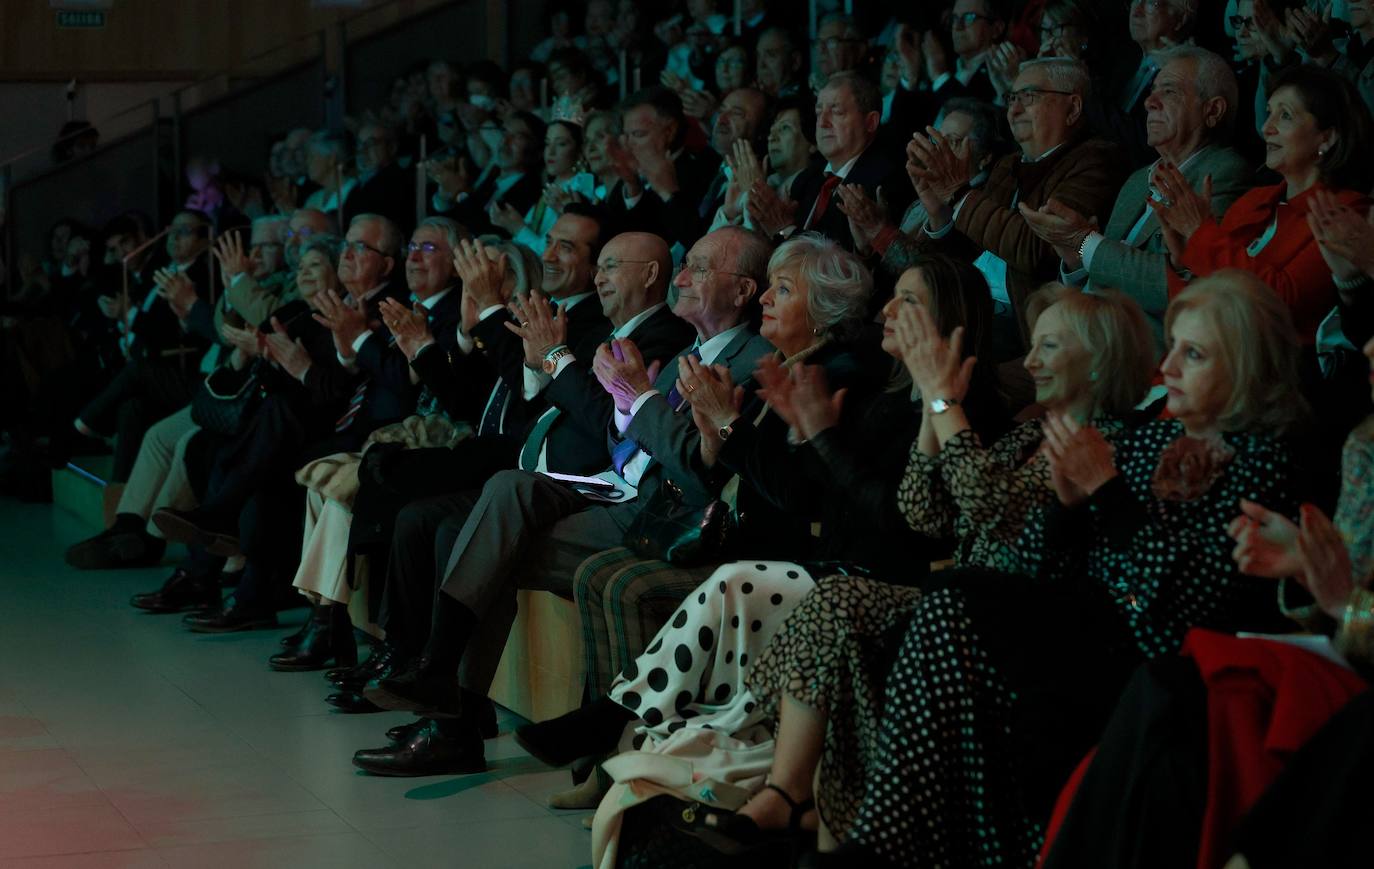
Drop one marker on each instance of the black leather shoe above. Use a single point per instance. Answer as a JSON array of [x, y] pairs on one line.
[[229, 618], [182, 591], [291, 641], [590, 731], [198, 528], [415, 690], [383, 662], [329, 638], [429, 751], [117, 548], [352, 703], [403, 732]]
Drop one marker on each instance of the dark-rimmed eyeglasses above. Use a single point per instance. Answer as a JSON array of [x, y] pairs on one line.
[[358, 248], [699, 272], [1027, 97], [968, 19], [611, 266]]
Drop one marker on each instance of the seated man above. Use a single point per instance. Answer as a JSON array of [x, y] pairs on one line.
[[512, 177], [847, 113], [1056, 159], [528, 529], [258, 281], [1192, 112], [383, 186]]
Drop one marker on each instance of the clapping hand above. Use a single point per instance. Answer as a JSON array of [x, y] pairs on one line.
[[1004, 64], [768, 211], [1182, 210], [1266, 542], [745, 170], [1311, 33], [409, 326], [938, 171], [935, 365], [245, 341], [502, 214], [715, 401], [1060, 227], [290, 355], [345, 322], [177, 290], [1345, 238], [800, 396], [539, 325], [483, 277], [1327, 572], [619, 368], [1081, 460], [866, 217], [233, 259]]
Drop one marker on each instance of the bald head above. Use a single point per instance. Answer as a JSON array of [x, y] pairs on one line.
[[632, 275]]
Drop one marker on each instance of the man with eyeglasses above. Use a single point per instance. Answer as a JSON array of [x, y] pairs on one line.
[[1057, 158], [739, 119], [1155, 25], [1192, 114], [511, 177], [527, 531], [383, 186], [839, 46]]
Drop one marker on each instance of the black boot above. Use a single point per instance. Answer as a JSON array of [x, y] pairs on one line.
[[329, 637], [590, 731], [229, 618], [182, 591], [420, 688], [383, 661]]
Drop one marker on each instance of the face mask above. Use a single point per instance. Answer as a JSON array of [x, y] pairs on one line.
[[482, 101], [492, 138], [68, 270]]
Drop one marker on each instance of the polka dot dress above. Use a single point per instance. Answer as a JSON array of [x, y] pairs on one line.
[[693, 673], [943, 788]]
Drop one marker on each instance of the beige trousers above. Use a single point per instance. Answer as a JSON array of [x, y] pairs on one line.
[[323, 572], [158, 478]]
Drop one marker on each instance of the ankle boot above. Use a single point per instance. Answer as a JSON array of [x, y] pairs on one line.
[[328, 637]]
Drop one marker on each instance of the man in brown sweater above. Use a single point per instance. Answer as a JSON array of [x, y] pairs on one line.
[[1056, 159]]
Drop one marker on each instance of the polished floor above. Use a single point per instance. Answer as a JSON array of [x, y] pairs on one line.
[[126, 742]]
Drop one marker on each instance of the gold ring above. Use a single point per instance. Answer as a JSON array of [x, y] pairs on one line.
[[692, 388]]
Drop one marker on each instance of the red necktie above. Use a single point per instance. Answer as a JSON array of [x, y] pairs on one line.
[[823, 198]]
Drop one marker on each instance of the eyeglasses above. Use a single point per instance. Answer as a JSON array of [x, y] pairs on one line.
[[358, 248], [1027, 97], [1152, 5], [699, 272], [830, 43], [422, 247], [611, 266], [303, 233], [967, 19], [1053, 31], [1241, 23], [263, 244]]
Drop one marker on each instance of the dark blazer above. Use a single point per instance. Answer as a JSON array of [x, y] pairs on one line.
[[507, 355], [876, 167], [677, 219], [158, 333], [380, 359], [581, 447], [390, 192], [472, 211], [327, 381]]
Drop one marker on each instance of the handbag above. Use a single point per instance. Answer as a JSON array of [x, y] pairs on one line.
[[655, 835], [226, 399], [667, 529]]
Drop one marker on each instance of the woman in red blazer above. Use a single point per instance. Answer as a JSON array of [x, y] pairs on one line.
[[1317, 137]]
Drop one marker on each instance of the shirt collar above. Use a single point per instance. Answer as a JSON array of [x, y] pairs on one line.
[[432, 300], [566, 304], [712, 347], [844, 170], [633, 323], [1042, 157]]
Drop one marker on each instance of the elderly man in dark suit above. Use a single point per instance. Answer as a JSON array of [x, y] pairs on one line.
[[531, 531], [1191, 115], [848, 110], [384, 187]]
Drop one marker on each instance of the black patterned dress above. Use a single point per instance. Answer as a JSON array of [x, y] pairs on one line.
[[1002, 682]]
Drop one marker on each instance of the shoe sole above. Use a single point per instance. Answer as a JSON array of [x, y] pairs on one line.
[[163, 610], [178, 530], [299, 668], [396, 703], [467, 769], [250, 626]]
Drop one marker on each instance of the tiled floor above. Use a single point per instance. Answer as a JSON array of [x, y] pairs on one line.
[[126, 742]]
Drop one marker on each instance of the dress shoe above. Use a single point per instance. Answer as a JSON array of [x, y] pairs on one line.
[[591, 731], [434, 695], [115, 548], [435, 749], [479, 710], [329, 637], [229, 618], [383, 662], [182, 591], [352, 703], [403, 732], [198, 528], [291, 641]]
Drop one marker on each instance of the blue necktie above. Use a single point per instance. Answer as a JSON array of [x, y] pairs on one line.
[[625, 450], [675, 397]]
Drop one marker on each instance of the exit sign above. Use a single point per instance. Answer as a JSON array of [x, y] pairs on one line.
[[80, 19]]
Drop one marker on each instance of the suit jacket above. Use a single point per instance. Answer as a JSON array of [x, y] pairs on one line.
[[1140, 268], [327, 381], [1084, 174], [677, 219], [876, 167], [390, 192], [159, 334], [472, 211], [672, 439], [381, 360], [1291, 263]]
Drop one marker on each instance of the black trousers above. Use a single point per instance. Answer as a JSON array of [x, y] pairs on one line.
[[144, 392]]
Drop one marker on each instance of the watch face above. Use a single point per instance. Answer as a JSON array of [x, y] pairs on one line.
[[550, 365], [938, 405]]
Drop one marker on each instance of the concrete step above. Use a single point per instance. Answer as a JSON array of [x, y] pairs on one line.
[[83, 489]]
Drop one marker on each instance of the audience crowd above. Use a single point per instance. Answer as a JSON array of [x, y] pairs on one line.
[[935, 422]]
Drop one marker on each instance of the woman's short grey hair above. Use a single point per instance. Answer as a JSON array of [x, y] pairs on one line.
[[523, 262], [453, 231], [1064, 74], [1214, 78], [328, 245], [985, 137], [838, 285]]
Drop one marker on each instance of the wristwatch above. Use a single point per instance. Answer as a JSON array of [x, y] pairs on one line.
[[551, 358], [725, 431], [940, 405]]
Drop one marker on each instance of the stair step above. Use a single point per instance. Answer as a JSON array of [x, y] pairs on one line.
[[81, 489]]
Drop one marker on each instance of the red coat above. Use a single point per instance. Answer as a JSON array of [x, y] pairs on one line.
[[1291, 263]]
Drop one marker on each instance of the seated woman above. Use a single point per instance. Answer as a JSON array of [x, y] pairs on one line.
[[1163, 786], [324, 575], [1002, 681], [822, 675], [564, 177], [1316, 138], [849, 453]]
